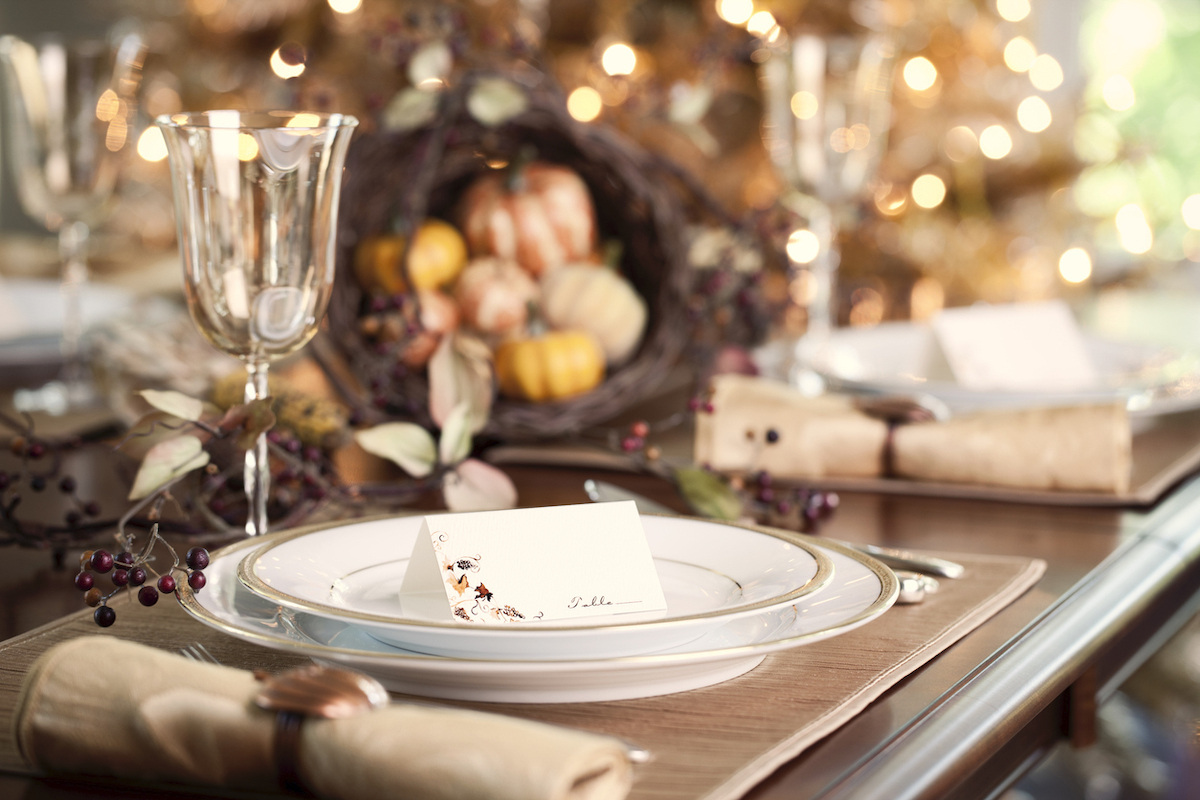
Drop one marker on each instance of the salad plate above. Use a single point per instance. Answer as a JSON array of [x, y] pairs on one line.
[[711, 573], [861, 590]]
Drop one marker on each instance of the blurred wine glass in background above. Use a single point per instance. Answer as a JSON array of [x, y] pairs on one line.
[[67, 129]]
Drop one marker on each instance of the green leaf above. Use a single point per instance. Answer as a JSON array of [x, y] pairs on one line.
[[403, 443], [176, 404], [455, 444], [410, 109], [494, 101], [708, 494], [165, 462]]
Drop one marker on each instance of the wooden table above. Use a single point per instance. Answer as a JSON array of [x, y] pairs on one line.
[[1118, 583]]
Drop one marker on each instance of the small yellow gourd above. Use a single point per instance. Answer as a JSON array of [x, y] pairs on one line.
[[592, 298], [553, 366], [437, 255]]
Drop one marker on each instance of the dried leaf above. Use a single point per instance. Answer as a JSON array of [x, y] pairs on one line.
[[461, 371], [253, 419], [403, 443], [494, 101], [410, 109], [708, 494], [176, 404], [476, 486], [431, 62], [455, 444], [165, 462]]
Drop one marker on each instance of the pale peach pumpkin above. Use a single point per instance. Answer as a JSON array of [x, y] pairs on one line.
[[494, 295]]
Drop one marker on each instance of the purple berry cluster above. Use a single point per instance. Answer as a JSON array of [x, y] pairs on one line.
[[128, 571], [798, 507]]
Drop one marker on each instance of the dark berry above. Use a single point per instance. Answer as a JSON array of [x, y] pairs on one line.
[[197, 558], [92, 509], [197, 580], [629, 444], [708, 408], [125, 557], [694, 404], [67, 484], [4, 480], [293, 446], [783, 506], [72, 518], [764, 478], [147, 595], [378, 303], [315, 492], [772, 436], [102, 561], [84, 581], [120, 577], [766, 494], [166, 584], [104, 616], [92, 598], [641, 429], [312, 454], [137, 576], [829, 502], [274, 437], [37, 450], [37, 483]]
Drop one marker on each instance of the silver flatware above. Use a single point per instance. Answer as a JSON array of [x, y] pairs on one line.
[[601, 491]]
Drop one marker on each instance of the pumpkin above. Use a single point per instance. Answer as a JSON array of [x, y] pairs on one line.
[[494, 295], [553, 366], [597, 300], [541, 216], [437, 255], [439, 316]]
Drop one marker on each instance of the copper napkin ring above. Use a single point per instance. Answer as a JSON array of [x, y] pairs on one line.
[[312, 691]]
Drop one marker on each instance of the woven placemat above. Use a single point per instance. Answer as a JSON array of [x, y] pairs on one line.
[[711, 743]]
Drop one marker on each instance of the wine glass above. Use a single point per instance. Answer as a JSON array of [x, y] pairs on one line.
[[67, 122], [256, 204], [828, 100]]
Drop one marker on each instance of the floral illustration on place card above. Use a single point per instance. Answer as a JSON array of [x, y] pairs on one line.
[[475, 603]]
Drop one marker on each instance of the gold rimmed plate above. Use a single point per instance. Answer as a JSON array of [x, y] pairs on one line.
[[711, 573]]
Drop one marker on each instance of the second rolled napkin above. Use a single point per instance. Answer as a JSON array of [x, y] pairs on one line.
[[102, 706], [757, 424]]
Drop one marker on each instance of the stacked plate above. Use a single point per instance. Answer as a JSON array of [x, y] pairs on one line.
[[734, 594]]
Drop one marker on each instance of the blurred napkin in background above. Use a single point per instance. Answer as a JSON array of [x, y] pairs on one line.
[[1078, 448], [102, 706]]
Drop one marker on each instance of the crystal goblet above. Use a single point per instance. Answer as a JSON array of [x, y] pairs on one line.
[[256, 205]]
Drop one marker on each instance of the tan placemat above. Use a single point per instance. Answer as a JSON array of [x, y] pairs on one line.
[[711, 743]]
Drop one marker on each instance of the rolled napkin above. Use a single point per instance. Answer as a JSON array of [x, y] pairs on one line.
[[102, 706], [1079, 448]]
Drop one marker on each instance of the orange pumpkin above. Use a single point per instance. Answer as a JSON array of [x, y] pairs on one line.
[[541, 220], [437, 255], [553, 366]]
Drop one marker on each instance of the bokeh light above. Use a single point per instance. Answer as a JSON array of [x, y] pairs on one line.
[[995, 141], [735, 12], [1013, 10], [1075, 265], [1019, 54], [920, 73], [803, 246], [584, 104], [345, 6], [804, 105], [928, 191], [618, 59], [961, 143], [151, 145], [1118, 93], [1191, 212], [1133, 229], [1033, 114], [761, 23], [108, 105], [1045, 73], [284, 69], [247, 147]]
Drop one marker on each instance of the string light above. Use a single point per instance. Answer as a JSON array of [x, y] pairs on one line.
[[1191, 212], [761, 23], [803, 246], [1075, 266], [584, 104], [1133, 229], [1045, 73], [804, 105], [284, 69], [1118, 93], [735, 12], [920, 73], [995, 142], [151, 145], [618, 59], [1013, 10], [1019, 54], [961, 143], [1033, 114], [928, 191], [345, 6]]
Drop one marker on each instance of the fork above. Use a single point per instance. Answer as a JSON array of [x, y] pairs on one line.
[[198, 653]]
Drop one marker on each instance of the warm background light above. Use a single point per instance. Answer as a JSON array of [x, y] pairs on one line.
[[1133, 230], [1118, 93], [1019, 54], [761, 23], [151, 145], [284, 69], [961, 143], [247, 147], [584, 104], [618, 59], [1013, 10], [804, 105], [1075, 266], [803, 246], [928, 191], [995, 141], [1034, 114], [345, 6], [1191, 212], [735, 12], [920, 73], [1045, 73]]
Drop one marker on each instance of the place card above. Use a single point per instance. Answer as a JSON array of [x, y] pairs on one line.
[[558, 563], [1020, 347]]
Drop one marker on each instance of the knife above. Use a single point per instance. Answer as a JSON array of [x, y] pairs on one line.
[[602, 492]]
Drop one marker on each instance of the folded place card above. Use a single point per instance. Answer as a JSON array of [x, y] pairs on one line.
[[1021, 347], [560, 563]]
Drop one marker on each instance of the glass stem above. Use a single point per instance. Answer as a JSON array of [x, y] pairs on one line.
[[72, 248], [258, 467]]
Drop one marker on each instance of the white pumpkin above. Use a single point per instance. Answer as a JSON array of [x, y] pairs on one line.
[[597, 300], [494, 295]]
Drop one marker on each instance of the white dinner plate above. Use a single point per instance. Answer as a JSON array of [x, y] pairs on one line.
[[903, 358], [710, 572], [860, 591]]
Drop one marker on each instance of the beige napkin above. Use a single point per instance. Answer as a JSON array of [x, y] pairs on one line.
[[1082, 448], [102, 706]]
